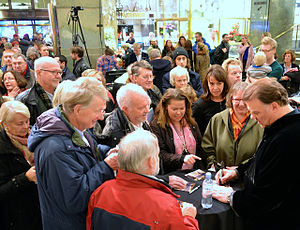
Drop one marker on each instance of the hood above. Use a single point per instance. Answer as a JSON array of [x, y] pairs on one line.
[[161, 64], [48, 123]]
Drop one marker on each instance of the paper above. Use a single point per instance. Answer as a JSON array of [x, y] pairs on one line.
[[196, 175]]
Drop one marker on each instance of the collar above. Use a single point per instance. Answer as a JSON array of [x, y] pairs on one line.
[[24, 74]]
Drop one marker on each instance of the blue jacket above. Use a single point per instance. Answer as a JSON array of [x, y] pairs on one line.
[[67, 171], [205, 43], [195, 82]]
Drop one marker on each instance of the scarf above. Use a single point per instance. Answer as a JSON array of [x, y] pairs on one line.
[[21, 144], [43, 96]]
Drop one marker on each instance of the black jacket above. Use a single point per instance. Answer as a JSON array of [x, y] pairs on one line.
[[270, 196], [67, 75], [203, 111], [132, 57], [170, 160], [219, 55], [292, 86], [79, 67], [33, 102], [160, 68], [117, 126], [19, 203]]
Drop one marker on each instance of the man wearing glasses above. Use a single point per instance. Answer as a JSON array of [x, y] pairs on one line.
[[38, 99], [20, 65], [268, 46]]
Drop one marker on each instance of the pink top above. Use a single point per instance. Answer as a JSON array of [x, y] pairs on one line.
[[184, 139]]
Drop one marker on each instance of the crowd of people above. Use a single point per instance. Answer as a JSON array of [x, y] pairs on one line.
[[76, 153]]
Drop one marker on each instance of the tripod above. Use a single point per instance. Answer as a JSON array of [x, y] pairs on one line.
[[76, 28]]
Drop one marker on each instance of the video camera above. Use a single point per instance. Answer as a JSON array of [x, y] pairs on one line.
[[75, 9]]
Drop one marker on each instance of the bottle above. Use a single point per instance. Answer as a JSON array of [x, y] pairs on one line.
[[207, 188]]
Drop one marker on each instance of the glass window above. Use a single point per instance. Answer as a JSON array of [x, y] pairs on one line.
[[41, 4], [21, 4], [5, 30], [4, 5]]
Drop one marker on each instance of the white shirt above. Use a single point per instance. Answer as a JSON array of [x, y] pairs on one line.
[[82, 136]]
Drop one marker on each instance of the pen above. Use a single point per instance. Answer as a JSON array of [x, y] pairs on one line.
[[194, 189], [221, 172]]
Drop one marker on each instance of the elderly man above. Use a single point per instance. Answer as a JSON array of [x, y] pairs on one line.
[[38, 99], [136, 199], [69, 164], [233, 70], [142, 75], [180, 58], [137, 54], [131, 114], [271, 187], [20, 65], [268, 46], [160, 67]]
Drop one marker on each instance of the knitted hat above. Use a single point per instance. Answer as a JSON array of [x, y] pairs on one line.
[[180, 51]]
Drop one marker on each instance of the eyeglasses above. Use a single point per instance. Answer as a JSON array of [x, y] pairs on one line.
[[146, 77], [237, 100], [52, 71], [8, 79]]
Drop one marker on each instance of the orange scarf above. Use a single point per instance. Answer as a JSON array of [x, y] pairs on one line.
[[237, 125]]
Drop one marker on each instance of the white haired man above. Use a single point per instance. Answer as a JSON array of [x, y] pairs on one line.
[[136, 199], [69, 163], [38, 99], [131, 114]]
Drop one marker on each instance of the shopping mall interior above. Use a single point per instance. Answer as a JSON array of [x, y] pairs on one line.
[[99, 23]]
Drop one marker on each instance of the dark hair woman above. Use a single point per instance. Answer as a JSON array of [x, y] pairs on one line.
[[178, 134]]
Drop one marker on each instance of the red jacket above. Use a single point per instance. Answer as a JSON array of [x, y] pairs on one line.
[[133, 201]]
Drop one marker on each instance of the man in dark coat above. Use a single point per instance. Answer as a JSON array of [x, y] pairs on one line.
[[270, 197], [160, 67], [137, 54], [77, 53], [131, 114], [222, 51], [66, 73]]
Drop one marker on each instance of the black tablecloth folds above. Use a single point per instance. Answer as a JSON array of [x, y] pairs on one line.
[[219, 217]]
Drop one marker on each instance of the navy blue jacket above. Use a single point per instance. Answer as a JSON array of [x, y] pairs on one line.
[[67, 171]]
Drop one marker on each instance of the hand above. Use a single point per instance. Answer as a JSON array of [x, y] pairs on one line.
[[222, 193], [224, 50], [112, 160], [285, 78], [228, 175], [188, 209], [113, 150], [191, 159], [177, 182], [31, 175], [14, 92]]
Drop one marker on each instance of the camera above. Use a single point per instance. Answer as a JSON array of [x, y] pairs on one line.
[[75, 9]]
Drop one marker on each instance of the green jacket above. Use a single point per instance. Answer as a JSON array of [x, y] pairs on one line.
[[219, 144]]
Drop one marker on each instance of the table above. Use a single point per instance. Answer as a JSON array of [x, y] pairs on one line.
[[219, 217]]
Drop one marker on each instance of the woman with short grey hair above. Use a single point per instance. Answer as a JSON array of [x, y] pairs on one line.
[[70, 164], [32, 54], [18, 192], [179, 77]]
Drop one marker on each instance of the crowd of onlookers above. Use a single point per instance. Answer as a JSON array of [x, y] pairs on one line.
[[77, 152]]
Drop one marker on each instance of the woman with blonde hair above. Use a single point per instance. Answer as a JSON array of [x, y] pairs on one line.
[[178, 134], [18, 191]]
